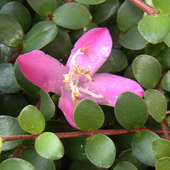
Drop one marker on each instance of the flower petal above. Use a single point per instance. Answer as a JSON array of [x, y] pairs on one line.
[[110, 87], [91, 50], [67, 107], [42, 70]]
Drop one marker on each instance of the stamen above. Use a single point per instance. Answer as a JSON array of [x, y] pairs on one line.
[[66, 78]]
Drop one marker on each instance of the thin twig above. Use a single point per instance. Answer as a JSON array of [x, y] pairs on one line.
[[165, 131]]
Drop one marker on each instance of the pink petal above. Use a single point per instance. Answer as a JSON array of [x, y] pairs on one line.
[[42, 70], [96, 46], [110, 87], [67, 107]]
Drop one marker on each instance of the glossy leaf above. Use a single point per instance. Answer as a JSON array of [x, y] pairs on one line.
[[132, 39], [47, 107], [161, 148], [72, 16], [39, 35], [147, 70], [36, 160], [105, 10], [128, 15], [142, 147], [43, 7], [166, 81], [165, 58], [162, 5], [88, 115], [49, 146], [18, 11], [167, 40], [154, 28], [8, 82], [156, 104], [11, 32], [163, 164], [124, 165], [100, 150], [31, 120], [9, 127], [91, 2], [16, 163], [130, 110]]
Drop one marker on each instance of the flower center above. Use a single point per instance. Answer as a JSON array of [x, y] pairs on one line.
[[72, 79]]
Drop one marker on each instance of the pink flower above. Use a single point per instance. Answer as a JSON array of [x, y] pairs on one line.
[[77, 80]]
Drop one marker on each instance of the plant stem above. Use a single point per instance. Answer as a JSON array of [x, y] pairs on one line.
[[165, 131], [67, 1], [144, 7], [109, 132]]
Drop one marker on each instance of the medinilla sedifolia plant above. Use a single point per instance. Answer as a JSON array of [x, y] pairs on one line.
[[84, 84]]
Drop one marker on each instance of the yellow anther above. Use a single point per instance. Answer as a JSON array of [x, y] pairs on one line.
[[66, 78], [88, 76]]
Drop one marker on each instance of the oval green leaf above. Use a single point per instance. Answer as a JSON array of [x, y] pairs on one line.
[[8, 83], [9, 127], [43, 7], [90, 2], [130, 110], [154, 28], [156, 104], [105, 10], [132, 39], [163, 164], [39, 36], [49, 146], [162, 5], [100, 150], [17, 164], [47, 107], [31, 120], [166, 81], [11, 32], [165, 58], [18, 11], [128, 15], [36, 160], [124, 165], [161, 148], [72, 16], [88, 115], [147, 70], [142, 147], [167, 40]]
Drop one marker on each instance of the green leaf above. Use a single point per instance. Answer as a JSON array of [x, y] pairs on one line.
[[39, 35], [124, 165], [142, 147], [130, 110], [39, 162], [132, 39], [9, 127], [17, 164], [26, 85], [162, 5], [166, 81], [161, 148], [105, 10], [43, 7], [18, 11], [163, 164], [128, 15], [72, 16], [8, 82], [11, 32], [47, 107], [60, 47], [156, 104], [49, 146], [31, 120], [167, 40], [88, 115], [154, 28], [165, 58], [147, 70], [100, 150], [115, 63], [1, 142], [90, 2]]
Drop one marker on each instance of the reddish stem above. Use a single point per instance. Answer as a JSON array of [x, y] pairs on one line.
[[165, 131], [68, 1], [168, 112], [50, 17], [38, 104], [144, 7], [108, 132], [19, 148]]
